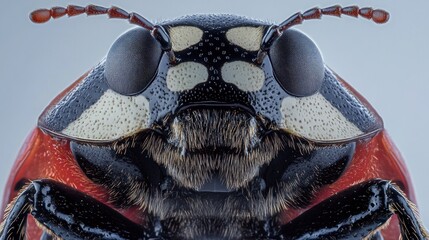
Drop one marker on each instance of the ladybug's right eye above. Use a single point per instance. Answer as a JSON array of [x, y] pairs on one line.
[[132, 62]]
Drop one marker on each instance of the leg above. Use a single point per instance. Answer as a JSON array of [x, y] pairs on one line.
[[356, 213], [68, 214]]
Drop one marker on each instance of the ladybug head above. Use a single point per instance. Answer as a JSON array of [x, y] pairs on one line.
[[204, 61]]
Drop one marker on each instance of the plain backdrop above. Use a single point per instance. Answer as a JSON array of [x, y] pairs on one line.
[[388, 63]]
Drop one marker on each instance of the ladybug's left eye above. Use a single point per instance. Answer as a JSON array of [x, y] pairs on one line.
[[132, 62], [297, 63]]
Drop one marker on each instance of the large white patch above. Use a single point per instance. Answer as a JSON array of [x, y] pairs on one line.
[[183, 37], [246, 76], [113, 116], [248, 38], [315, 118], [186, 75]]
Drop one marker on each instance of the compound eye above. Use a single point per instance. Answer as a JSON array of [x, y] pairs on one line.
[[132, 62], [297, 63]]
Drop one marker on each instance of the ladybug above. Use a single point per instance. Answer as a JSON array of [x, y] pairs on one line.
[[210, 127]]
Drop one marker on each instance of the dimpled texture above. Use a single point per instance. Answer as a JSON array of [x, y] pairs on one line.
[[113, 116], [183, 37], [132, 61], [268, 100], [249, 38], [297, 63], [246, 76], [315, 118], [71, 106], [186, 76], [349, 105]]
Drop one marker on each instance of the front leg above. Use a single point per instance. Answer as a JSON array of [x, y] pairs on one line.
[[68, 214], [357, 213]]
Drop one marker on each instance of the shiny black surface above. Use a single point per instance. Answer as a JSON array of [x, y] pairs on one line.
[[351, 214], [55, 205], [354, 214]]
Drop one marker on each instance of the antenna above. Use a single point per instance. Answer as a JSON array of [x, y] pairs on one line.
[[378, 16], [158, 32]]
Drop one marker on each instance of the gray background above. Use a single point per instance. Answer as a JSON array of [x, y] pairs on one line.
[[387, 64]]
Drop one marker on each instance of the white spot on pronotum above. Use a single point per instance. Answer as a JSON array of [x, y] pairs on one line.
[[246, 76], [183, 37], [113, 116], [248, 38], [313, 117], [186, 75]]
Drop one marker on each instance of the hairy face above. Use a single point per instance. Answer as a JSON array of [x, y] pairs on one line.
[[200, 143]]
